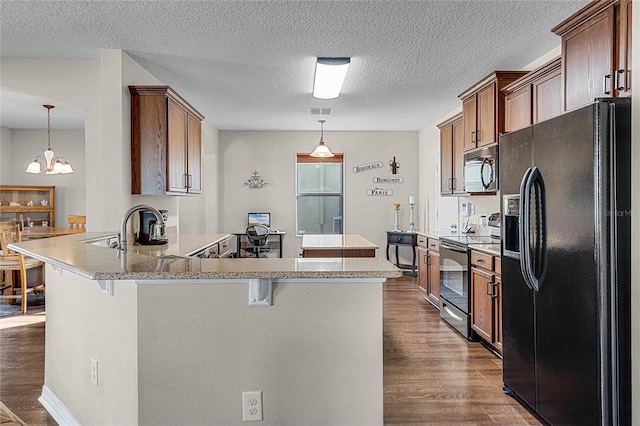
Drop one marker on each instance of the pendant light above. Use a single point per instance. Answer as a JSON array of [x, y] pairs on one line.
[[322, 150], [53, 165]]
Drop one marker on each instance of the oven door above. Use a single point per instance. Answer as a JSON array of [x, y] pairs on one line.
[[454, 276]]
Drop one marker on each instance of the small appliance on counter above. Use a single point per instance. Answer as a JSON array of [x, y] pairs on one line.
[[152, 233], [494, 224]]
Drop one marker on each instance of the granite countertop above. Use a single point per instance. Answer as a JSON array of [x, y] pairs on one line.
[[492, 249], [77, 254], [328, 242], [437, 234]]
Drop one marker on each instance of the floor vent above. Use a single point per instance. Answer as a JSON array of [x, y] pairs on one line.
[[320, 111]]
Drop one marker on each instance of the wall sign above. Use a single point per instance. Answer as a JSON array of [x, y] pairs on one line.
[[379, 192], [388, 179], [367, 167]]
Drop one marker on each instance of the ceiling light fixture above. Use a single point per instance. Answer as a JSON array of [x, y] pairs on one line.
[[330, 74], [322, 150], [52, 164]]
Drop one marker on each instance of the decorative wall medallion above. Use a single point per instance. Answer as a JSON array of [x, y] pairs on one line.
[[255, 181], [379, 192], [388, 179], [367, 167]]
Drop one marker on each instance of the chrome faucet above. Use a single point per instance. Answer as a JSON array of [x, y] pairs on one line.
[[122, 235]]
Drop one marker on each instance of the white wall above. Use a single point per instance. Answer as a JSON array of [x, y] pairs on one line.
[[6, 156], [99, 87], [273, 155], [70, 188]]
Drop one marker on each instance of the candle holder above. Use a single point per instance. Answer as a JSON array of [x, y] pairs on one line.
[[412, 225], [396, 227]]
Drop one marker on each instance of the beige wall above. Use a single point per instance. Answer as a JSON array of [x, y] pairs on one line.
[[315, 354], [273, 155], [70, 188]]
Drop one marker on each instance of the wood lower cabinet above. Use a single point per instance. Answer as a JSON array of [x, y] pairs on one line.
[[429, 269], [486, 298], [596, 52], [534, 97], [166, 142], [483, 109], [452, 156]]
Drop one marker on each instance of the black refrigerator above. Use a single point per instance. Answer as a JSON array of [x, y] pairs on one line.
[[566, 265]]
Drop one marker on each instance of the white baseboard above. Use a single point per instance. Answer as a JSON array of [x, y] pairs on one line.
[[56, 408]]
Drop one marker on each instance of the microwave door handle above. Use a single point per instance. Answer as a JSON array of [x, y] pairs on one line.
[[523, 232], [485, 185]]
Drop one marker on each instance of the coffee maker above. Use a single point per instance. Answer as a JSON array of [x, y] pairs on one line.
[[151, 233]]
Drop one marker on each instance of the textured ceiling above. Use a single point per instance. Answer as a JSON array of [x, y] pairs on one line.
[[249, 65]]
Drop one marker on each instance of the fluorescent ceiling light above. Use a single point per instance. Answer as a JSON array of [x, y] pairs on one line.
[[330, 74]]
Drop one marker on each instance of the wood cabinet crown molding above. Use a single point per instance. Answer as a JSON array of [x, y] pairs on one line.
[[449, 121], [550, 67], [166, 91], [582, 16], [494, 76]]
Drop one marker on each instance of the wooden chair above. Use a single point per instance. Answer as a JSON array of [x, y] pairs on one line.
[[77, 222], [10, 261]]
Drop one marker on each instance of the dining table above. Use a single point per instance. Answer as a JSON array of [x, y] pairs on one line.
[[47, 232]]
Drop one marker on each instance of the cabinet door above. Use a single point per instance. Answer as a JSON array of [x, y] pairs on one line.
[[194, 155], [176, 148], [497, 312], [622, 78], [458, 156], [433, 290], [446, 160], [517, 111], [482, 304], [423, 270], [588, 52], [547, 97], [469, 117], [486, 132]]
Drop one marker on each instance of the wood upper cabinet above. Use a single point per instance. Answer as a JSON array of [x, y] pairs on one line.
[[451, 156], [596, 52], [535, 97], [483, 109], [166, 142]]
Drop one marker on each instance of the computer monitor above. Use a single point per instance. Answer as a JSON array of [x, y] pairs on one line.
[[259, 219]]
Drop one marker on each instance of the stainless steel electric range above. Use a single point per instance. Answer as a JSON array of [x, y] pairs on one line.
[[455, 280]]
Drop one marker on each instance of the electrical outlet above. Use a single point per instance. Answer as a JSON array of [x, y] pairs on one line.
[[94, 371], [252, 406]]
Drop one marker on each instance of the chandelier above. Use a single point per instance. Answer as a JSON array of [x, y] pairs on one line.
[[53, 165], [322, 150]]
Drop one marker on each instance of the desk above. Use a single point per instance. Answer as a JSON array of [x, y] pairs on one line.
[[274, 240], [47, 232], [337, 245], [407, 239]]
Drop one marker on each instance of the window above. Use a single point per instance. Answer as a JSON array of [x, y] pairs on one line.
[[319, 194]]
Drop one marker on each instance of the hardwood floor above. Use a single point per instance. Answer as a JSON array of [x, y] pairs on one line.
[[432, 375]]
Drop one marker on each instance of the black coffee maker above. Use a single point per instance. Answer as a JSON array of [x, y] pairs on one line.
[[151, 232]]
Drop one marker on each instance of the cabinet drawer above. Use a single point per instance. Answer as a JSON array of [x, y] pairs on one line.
[[401, 238], [223, 247], [214, 250], [497, 266], [482, 260], [422, 241], [433, 244]]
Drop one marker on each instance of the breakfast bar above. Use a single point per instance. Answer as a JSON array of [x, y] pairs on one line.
[[187, 336]]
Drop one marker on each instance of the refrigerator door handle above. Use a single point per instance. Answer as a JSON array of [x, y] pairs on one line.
[[538, 265], [523, 233]]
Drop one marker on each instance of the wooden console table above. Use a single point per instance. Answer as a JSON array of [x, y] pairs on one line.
[[406, 239]]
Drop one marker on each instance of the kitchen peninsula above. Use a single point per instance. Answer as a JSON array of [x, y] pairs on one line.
[[338, 245], [176, 340]]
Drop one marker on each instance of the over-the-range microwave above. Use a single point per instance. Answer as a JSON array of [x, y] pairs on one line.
[[481, 170]]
